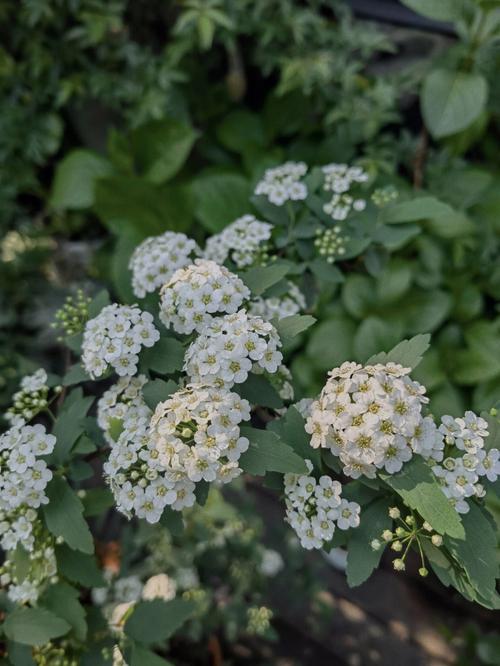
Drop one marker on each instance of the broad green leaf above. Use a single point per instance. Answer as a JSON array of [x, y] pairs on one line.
[[75, 375], [358, 295], [452, 100], [78, 567], [393, 282], [34, 626], [240, 131], [69, 424], [161, 147], [442, 10], [75, 179], [155, 621], [115, 428], [426, 310], [420, 490], [267, 453], [289, 327], [290, 428], [480, 361], [172, 520], [362, 560], [421, 208], [407, 353], [331, 343], [259, 391], [372, 335], [64, 516], [22, 562], [260, 278], [62, 599], [100, 301], [97, 501], [20, 655], [165, 357], [157, 391], [220, 198], [141, 657]]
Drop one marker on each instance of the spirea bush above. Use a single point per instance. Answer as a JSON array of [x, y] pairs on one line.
[[172, 399]]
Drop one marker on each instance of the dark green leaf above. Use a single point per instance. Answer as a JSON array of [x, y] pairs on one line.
[[97, 501], [421, 208], [157, 391], [289, 327], [407, 353], [220, 198], [62, 599], [78, 567], [267, 453], [155, 621], [260, 278], [259, 391], [290, 428], [34, 626], [75, 179], [64, 516], [165, 357]]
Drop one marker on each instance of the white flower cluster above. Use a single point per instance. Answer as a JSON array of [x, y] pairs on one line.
[[459, 473], [43, 566], [194, 295], [314, 508], [30, 399], [278, 307], [229, 347], [155, 260], [196, 435], [115, 337], [283, 183], [23, 476], [121, 401], [370, 417], [240, 241], [338, 179]]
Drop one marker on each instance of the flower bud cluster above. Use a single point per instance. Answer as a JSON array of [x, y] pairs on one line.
[[229, 348], [314, 508], [371, 418], [330, 243], [283, 183], [156, 259], [115, 337], [194, 295], [243, 241], [73, 315], [30, 400], [339, 178], [259, 620], [467, 461], [384, 196]]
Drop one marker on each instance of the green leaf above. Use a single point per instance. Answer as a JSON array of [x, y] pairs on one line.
[[155, 621], [70, 424], [142, 657], [220, 198], [421, 208], [34, 626], [420, 491], [97, 501], [75, 375], [161, 147], [100, 301], [240, 131], [115, 428], [267, 453], [372, 335], [165, 357], [259, 391], [22, 562], [358, 295], [64, 516], [173, 521], [452, 100], [260, 278], [477, 551], [362, 560], [481, 360], [426, 310], [289, 327], [20, 655], [62, 599], [407, 353], [324, 355], [290, 428], [157, 391], [443, 10], [78, 567], [75, 179]]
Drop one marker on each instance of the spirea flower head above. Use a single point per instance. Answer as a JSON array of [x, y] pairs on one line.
[[370, 417], [30, 399], [243, 241], [196, 434], [23, 475], [467, 461], [196, 294], [121, 401], [230, 347], [115, 338], [278, 307], [339, 179], [283, 183], [157, 258], [314, 508]]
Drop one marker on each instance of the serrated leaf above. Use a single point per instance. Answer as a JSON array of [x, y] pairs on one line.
[[291, 326], [407, 353], [155, 621], [421, 208], [165, 357], [290, 428], [157, 391], [419, 489], [78, 567], [260, 278], [220, 198], [267, 453], [34, 626], [64, 516], [362, 560], [62, 599]]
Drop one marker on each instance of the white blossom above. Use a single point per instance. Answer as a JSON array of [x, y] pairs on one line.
[[283, 183], [229, 348], [241, 241], [339, 178], [160, 586], [196, 294], [115, 337], [156, 259], [277, 307], [122, 400]]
